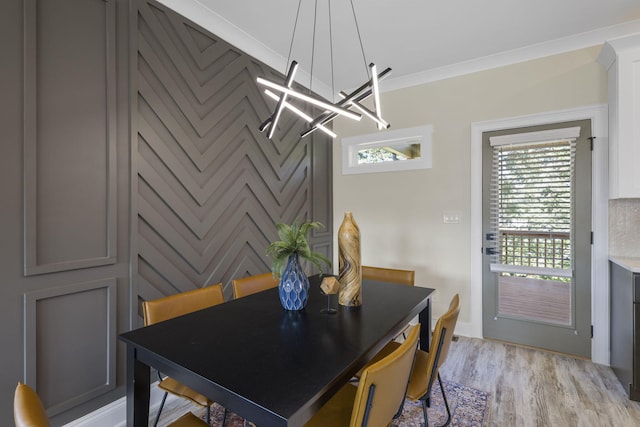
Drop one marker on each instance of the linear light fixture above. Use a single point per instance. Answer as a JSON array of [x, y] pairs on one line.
[[360, 94], [381, 123], [376, 92], [283, 99], [300, 113], [311, 99], [330, 109]]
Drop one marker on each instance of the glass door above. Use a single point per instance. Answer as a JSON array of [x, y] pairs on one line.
[[537, 229]]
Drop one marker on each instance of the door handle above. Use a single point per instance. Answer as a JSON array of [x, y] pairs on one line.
[[491, 251]]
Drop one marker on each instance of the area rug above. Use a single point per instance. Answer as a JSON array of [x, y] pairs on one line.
[[468, 409]]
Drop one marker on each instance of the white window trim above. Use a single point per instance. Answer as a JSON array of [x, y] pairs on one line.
[[416, 135]]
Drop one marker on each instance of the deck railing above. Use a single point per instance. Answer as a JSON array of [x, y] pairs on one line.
[[535, 248]]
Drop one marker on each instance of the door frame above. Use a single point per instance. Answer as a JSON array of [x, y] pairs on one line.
[[598, 114]]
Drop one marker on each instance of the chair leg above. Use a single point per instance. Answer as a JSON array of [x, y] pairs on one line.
[[160, 409], [424, 413], [224, 417], [446, 404], [426, 403]]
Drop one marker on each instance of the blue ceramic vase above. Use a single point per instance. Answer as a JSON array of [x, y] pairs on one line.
[[294, 285]]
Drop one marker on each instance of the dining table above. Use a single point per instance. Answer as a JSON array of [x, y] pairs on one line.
[[272, 366]]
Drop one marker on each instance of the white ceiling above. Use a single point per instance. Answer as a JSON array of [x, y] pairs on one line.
[[420, 40]]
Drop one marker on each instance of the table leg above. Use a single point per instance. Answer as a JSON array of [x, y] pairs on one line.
[[138, 382], [425, 327]]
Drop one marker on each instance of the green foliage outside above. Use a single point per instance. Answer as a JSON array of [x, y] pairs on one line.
[[535, 207], [375, 155]]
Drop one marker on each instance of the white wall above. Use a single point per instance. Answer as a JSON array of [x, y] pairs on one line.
[[400, 213]]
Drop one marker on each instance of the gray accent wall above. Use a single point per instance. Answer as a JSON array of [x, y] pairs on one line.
[[130, 168], [64, 191], [209, 185], [69, 113]]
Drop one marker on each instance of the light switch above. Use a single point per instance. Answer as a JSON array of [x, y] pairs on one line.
[[452, 217]]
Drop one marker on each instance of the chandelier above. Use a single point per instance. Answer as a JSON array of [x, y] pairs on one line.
[[349, 105]]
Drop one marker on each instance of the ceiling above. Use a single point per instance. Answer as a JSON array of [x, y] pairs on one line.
[[420, 40]]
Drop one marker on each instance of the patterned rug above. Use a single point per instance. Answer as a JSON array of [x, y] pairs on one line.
[[468, 409]]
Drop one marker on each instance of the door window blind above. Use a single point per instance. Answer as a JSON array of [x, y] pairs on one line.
[[531, 204]]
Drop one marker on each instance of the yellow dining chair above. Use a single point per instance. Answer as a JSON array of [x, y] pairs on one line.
[[393, 275], [252, 284], [188, 420], [379, 396], [173, 306], [427, 365], [27, 408]]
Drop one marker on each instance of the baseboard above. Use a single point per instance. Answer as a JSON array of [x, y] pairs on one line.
[[115, 413], [466, 329]]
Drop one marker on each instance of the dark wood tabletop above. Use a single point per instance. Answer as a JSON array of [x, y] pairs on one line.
[[273, 367]]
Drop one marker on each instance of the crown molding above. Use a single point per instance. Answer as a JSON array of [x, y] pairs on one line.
[[614, 47], [540, 50], [211, 21]]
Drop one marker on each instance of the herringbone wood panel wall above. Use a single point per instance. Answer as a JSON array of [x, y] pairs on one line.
[[210, 186]]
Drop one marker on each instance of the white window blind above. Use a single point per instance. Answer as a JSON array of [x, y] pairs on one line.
[[532, 203]]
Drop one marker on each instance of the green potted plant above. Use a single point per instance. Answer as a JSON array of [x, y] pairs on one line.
[[286, 253]]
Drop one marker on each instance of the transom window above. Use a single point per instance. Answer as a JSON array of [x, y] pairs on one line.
[[403, 149]]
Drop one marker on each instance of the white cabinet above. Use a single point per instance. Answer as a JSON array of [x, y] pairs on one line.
[[621, 58]]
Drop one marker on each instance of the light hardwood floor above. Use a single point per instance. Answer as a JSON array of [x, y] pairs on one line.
[[538, 388], [529, 387]]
